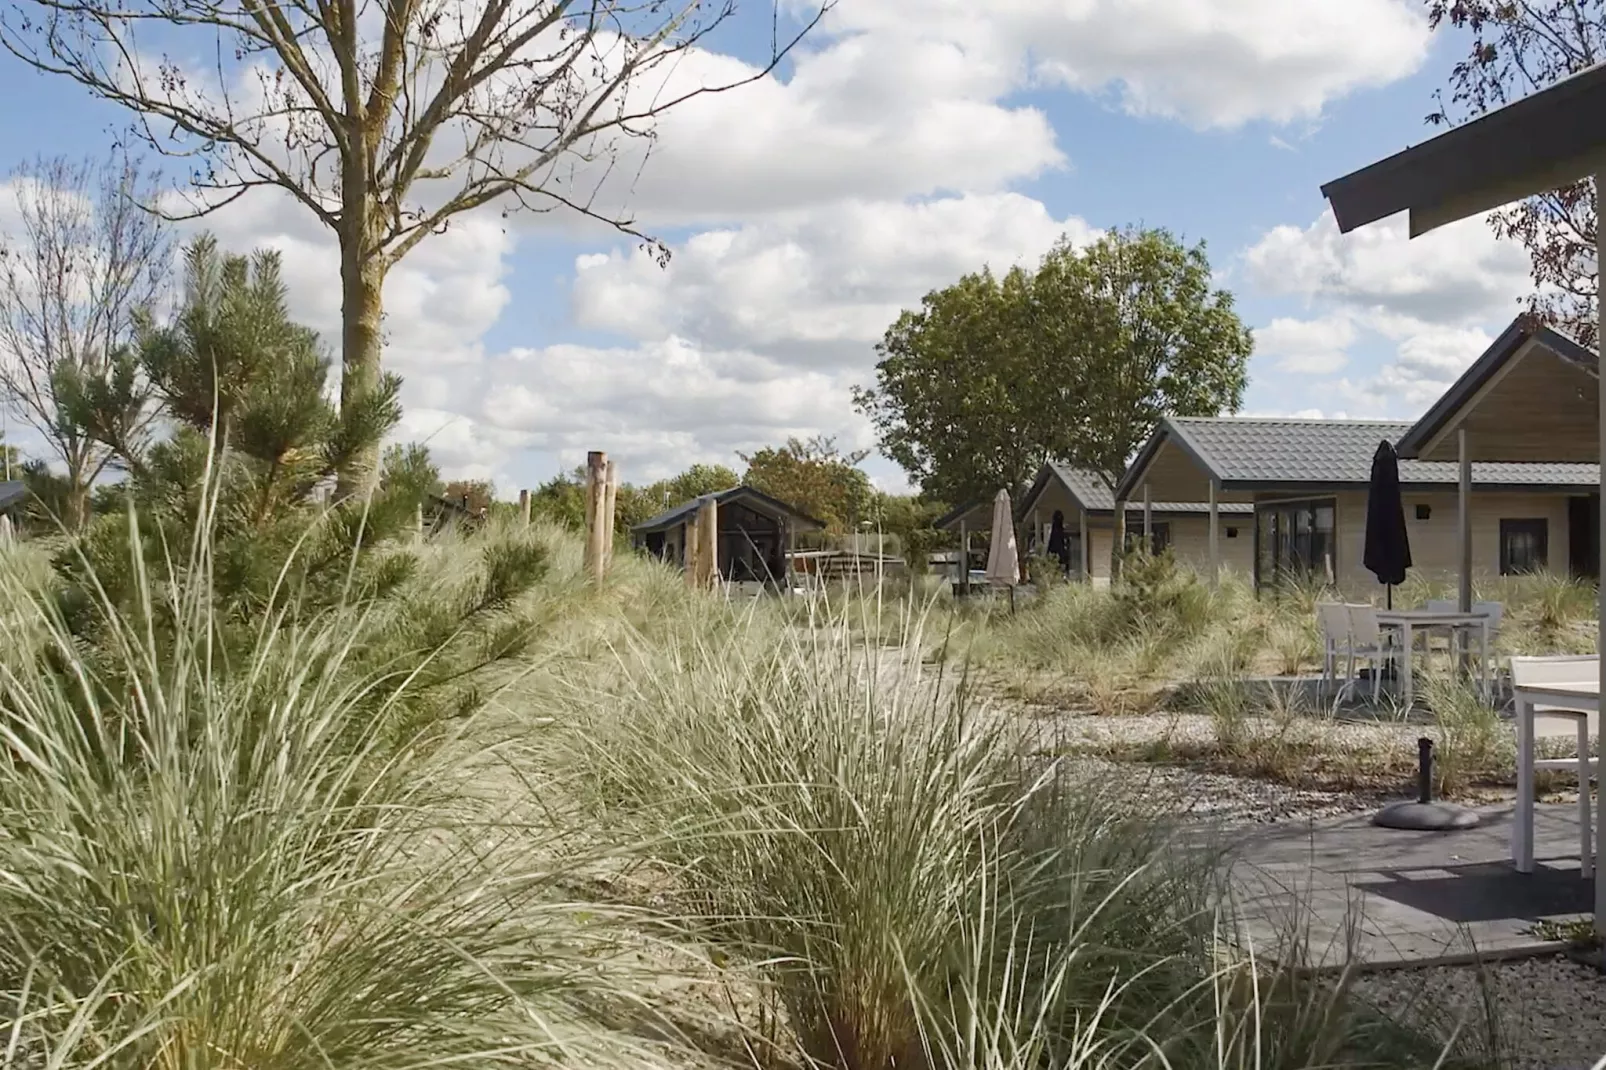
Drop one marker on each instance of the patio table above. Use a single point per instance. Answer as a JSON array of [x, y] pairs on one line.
[[1407, 620], [1560, 700]]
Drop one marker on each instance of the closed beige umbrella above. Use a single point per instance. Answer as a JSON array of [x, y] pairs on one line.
[[1003, 562]]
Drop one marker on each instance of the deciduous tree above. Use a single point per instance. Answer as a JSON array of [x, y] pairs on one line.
[[1513, 49], [956, 399], [82, 260], [1130, 329], [382, 120], [815, 477]]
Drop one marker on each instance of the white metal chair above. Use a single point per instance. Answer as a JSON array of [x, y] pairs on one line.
[[1367, 642], [1492, 613], [1553, 723], [1332, 619]]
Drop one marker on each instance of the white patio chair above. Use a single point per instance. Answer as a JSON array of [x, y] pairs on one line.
[[1437, 605], [1332, 619], [1553, 723], [1367, 642], [1492, 613]]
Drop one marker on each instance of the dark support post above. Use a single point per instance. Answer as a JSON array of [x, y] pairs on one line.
[[1424, 770]]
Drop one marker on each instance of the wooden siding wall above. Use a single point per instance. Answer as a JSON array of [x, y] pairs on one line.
[[1542, 409], [1433, 541]]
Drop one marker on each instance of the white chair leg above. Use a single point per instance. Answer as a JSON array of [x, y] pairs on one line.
[[1586, 840], [1378, 661]]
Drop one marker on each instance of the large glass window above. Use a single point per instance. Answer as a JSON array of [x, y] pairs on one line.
[[1294, 542], [1524, 546], [1159, 539]]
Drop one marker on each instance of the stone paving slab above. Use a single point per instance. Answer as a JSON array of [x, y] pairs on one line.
[[1343, 889]]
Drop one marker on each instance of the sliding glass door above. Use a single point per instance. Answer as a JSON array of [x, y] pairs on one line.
[[1295, 542]]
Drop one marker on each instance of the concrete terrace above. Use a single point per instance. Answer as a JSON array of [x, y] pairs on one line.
[[1349, 891]]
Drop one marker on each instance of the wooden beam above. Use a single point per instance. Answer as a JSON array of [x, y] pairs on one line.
[[1600, 816], [1148, 518], [596, 491], [1464, 520], [1215, 535], [964, 558], [1087, 550], [610, 496], [524, 507], [708, 544]]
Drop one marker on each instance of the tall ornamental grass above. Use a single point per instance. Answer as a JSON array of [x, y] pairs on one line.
[[216, 858], [913, 886]]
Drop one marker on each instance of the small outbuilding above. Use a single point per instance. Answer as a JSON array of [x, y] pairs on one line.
[[757, 534]]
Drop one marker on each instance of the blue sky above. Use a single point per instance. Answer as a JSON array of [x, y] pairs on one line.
[[907, 142]]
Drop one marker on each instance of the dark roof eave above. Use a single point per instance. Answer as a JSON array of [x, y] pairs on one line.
[[1546, 139]]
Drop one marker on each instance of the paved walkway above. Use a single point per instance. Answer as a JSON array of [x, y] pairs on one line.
[[1351, 891]]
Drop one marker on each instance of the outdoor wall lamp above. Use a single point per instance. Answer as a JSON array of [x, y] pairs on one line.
[[1423, 512]]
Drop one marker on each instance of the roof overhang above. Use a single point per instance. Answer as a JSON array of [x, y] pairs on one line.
[[1167, 436], [976, 513], [1546, 140], [1562, 367]]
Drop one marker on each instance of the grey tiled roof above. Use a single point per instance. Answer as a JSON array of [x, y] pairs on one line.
[[1095, 496], [1276, 450], [12, 491], [669, 518]]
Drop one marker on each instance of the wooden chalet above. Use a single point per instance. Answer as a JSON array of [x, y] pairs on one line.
[[757, 534]]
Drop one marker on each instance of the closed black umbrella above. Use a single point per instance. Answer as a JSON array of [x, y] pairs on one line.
[[1059, 545], [1388, 547]]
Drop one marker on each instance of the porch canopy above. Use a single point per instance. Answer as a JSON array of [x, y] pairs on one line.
[[1548, 139]]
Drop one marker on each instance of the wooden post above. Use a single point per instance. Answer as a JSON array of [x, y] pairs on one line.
[[1087, 549], [689, 555], [1148, 518], [1600, 635], [708, 544], [418, 523], [1464, 519], [524, 507], [1215, 535], [596, 508], [610, 496], [964, 558]]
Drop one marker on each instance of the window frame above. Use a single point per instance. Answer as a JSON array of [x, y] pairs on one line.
[[1289, 506], [1531, 525]]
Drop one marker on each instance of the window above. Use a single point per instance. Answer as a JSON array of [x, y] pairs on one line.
[[1159, 539], [1524, 546], [1294, 542]]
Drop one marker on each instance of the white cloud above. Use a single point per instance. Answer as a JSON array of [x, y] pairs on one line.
[[1313, 347], [1458, 274], [818, 287], [1207, 62], [1430, 305]]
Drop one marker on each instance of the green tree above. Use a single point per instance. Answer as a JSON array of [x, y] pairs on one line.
[[1127, 331], [1514, 49], [816, 477], [956, 400], [910, 520], [252, 444], [475, 494], [409, 470]]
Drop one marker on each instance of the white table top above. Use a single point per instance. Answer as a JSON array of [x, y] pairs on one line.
[[1429, 616], [1586, 689]]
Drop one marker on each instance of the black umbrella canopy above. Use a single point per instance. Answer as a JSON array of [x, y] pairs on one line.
[[1388, 547]]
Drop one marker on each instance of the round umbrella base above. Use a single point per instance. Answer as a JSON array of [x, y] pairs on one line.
[[1425, 817]]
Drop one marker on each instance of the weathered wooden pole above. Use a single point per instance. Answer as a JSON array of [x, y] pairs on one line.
[[596, 508], [418, 523], [708, 543], [690, 555], [524, 507], [610, 496]]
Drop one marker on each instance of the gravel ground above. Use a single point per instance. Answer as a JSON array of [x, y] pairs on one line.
[[1221, 797], [1548, 1013]]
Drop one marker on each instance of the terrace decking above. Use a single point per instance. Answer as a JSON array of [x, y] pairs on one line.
[[1349, 891]]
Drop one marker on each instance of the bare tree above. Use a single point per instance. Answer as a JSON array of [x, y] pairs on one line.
[[81, 260], [1513, 50], [385, 118]]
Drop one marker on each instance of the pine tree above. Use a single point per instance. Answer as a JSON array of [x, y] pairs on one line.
[[252, 446]]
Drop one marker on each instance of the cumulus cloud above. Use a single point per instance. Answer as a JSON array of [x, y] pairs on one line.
[[1315, 347], [1210, 63], [1430, 305], [818, 287]]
